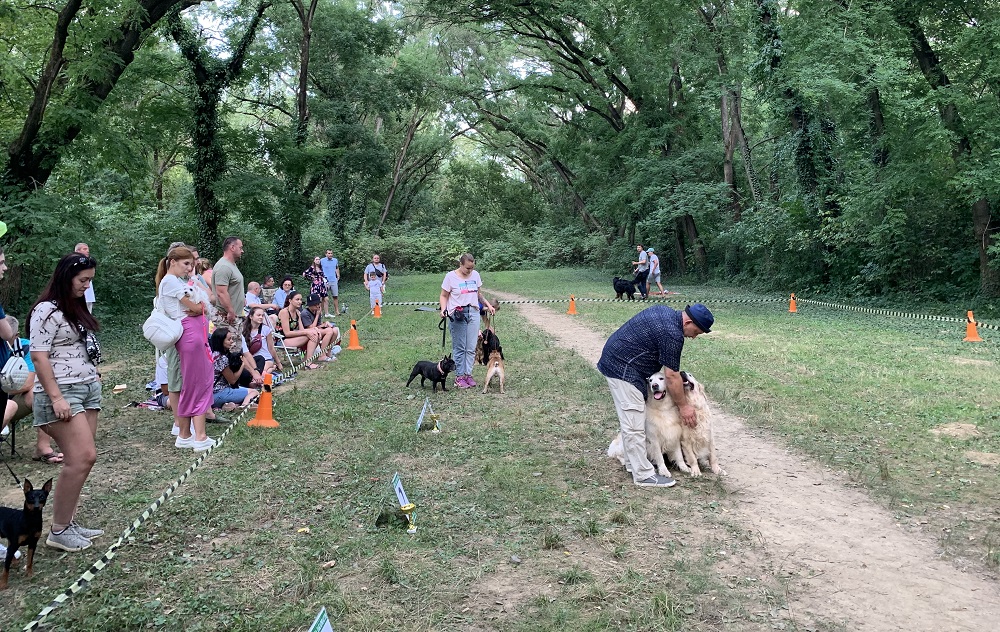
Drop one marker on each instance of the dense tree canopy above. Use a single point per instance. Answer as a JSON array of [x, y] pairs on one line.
[[797, 144]]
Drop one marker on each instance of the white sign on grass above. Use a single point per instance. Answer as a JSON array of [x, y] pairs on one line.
[[322, 622], [397, 485]]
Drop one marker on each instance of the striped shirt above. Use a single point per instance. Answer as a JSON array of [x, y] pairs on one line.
[[650, 340]]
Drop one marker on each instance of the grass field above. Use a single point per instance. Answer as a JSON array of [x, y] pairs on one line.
[[522, 522]]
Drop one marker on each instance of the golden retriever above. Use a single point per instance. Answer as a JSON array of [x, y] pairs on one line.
[[665, 434]]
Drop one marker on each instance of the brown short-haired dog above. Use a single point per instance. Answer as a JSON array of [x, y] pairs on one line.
[[495, 364]]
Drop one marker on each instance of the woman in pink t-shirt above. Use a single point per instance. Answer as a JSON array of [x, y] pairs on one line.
[[460, 298]]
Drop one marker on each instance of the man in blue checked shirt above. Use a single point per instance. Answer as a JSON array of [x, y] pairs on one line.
[[650, 340]]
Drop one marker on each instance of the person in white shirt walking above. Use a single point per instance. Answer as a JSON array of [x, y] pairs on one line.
[[89, 295]]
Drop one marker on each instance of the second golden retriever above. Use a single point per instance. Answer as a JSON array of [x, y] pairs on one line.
[[665, 434]]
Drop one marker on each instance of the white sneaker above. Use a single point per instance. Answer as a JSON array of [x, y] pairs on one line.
[[5, 431], [184, 443], [201, 446], [175, 430], [3, 549]]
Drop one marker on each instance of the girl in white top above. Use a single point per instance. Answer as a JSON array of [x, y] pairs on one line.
[[184, 300], [461, 297], [257, 334]]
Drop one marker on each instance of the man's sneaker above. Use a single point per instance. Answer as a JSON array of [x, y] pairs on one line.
[[656, 481], [68, 540], [201, 446], [461, 382], [469, 381], [90, 534], [183, 443], [329, 315]]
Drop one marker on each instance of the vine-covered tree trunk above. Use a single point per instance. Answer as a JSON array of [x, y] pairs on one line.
[[208, 161]]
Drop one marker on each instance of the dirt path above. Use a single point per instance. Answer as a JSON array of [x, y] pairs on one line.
[[848, 559]]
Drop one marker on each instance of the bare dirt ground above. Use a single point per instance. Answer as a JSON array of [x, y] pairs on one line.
[[847, 559]]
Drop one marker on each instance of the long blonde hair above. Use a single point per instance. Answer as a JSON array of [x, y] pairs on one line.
[[178, 253]]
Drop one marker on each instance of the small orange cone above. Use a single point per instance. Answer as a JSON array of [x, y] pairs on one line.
[[378, 309], [353, 344], [572, 306], [971, 334], [265, 416], [791, 305]]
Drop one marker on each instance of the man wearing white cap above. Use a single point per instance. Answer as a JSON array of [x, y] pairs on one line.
[[654, 273], [651, 340]]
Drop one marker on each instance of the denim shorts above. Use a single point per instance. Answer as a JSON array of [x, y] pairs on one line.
[[228, 395], [80, 397]]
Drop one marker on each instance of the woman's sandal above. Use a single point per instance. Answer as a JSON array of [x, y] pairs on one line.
[[52, 458], [310, 367]]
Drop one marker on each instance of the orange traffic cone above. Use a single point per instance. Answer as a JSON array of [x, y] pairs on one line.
[[791, 305], [572, 306], [265, 416], [971, 334], [378, 309], [352, 342]]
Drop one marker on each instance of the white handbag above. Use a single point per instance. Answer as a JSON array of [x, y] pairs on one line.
[[14, 374], [161, 330]]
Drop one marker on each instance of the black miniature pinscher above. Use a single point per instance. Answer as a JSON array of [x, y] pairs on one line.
[[23, 526], [433, 371]]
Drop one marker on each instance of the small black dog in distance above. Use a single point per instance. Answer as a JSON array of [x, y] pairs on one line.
[[624, 287], [433, 371], [23, 526]]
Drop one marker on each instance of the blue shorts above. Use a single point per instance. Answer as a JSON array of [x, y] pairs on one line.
[[229, 395], [80, 397]]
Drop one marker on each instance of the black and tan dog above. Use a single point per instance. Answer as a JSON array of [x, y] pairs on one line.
[[23, 526], [433, 371], [487, 344], [624, 287], [495, 364]]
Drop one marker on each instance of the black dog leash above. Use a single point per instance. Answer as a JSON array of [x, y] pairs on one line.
[[443, 327]]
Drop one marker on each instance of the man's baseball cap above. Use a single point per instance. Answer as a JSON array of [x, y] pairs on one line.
[[701, 316], [314, 299]]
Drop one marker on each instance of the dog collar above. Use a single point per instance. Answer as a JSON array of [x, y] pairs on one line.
[[440, 370]]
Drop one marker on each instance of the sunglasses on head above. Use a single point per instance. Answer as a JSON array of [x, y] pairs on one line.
[[81, 260]]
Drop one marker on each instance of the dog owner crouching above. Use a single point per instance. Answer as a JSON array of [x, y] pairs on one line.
[[650, 340]]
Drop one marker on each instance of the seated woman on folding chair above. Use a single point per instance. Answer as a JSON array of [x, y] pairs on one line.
[[291, 329], [259, 338], [21, 402]]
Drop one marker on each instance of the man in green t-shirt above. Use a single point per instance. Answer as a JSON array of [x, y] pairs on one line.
[[230, 293]]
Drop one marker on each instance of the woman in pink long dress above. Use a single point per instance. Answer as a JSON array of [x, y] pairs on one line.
[[182, 299]]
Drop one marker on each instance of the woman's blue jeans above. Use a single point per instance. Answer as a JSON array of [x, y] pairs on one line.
[[464, 335]]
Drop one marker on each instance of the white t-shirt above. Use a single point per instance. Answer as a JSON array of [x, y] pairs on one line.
[[263, 352], [172, 289], [462, 291]]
